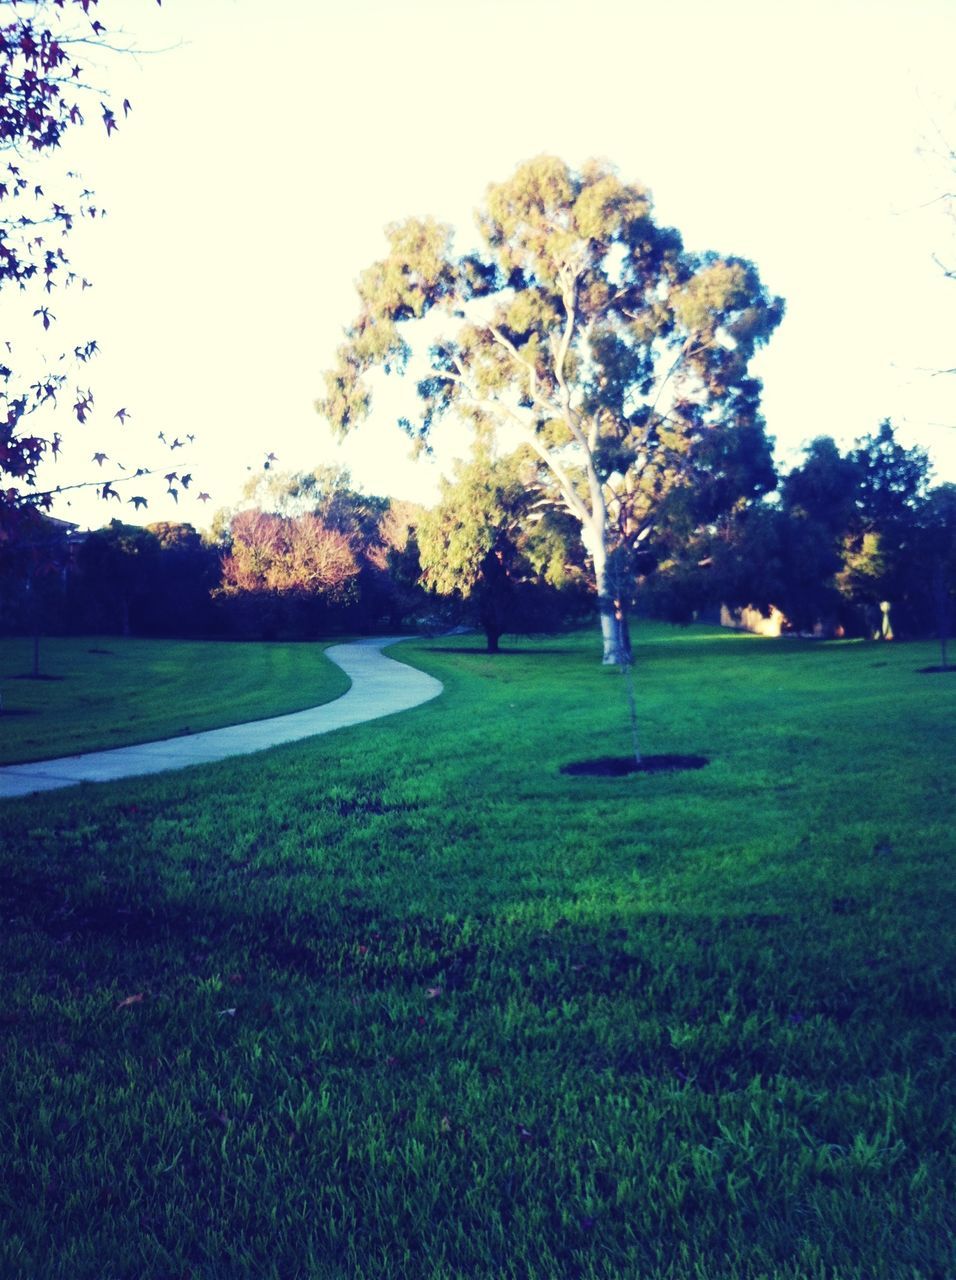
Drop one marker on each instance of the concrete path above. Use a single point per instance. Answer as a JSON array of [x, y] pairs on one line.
[[380, 687]]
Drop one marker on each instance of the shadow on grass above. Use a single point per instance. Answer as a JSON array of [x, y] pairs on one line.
[[784, 968], [503, 652]]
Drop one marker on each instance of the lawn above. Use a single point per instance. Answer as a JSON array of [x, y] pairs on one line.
[[405, 1001], [112, 692]]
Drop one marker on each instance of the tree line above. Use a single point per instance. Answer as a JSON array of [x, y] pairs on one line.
[[855, 543]]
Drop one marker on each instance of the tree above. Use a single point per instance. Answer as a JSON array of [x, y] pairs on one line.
[[33, 574], [586, 332], [817, 520], [119, 565], [484, 543], [932, 564], [378, 531], [838, 546], [44, 95], [285, 567], [187, 571], [326, 492], [878, 575], [893, 479]]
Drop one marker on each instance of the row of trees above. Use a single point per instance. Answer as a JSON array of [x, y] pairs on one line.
[[853, 543]]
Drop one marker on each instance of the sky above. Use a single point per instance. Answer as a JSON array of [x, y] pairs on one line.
[[264, 155]]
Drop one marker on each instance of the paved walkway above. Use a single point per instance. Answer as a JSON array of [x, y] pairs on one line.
[[380, 687]]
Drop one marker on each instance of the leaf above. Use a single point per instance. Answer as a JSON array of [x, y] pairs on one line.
[[131, 1000], [432, 993]]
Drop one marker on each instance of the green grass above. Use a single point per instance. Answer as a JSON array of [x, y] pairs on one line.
[[112, 692], [414, 1004]]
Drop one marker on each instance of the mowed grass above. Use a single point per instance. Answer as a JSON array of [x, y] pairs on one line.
[[111, 692], [405, 1001]]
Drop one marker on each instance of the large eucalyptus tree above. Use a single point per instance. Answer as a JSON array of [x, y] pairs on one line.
[[586, 331]]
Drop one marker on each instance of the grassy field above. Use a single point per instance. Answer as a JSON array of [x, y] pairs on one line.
[[405, 1001], [111, 692]]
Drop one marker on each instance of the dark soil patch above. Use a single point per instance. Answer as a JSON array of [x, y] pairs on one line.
[[935, 671], [620, 766]]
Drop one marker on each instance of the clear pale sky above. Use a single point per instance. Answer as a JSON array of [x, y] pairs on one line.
[[268, 146]]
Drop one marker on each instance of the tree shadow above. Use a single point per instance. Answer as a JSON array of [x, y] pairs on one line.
[[503, 652]]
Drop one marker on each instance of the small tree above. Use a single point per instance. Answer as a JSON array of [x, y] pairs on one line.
[[484, 544]]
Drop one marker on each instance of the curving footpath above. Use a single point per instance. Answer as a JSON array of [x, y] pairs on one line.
[[380, 687]]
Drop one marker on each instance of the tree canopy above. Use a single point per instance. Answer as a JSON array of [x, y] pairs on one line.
[[45, 94], [585, 331]]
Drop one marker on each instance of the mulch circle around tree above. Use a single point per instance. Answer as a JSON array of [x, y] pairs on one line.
[[621, 766]]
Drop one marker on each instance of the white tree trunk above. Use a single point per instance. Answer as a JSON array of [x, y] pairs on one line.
[[614, 634]]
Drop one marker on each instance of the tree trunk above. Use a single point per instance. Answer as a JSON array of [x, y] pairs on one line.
[[614, 629], [944, 613], [492, 636], [34, 615]]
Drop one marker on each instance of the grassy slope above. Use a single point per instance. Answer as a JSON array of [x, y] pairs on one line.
[[414, 1004], [111, 692]]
